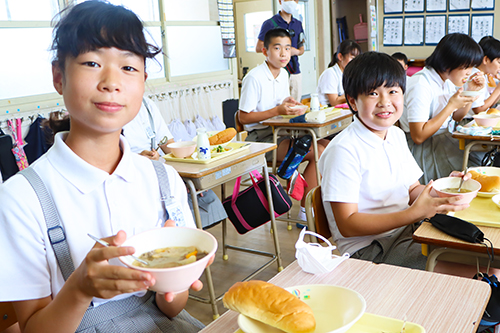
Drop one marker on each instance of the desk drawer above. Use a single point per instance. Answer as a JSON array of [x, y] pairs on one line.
[[333, 128], [229, 173]]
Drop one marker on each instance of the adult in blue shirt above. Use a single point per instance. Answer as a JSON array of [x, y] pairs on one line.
[[284, 19]]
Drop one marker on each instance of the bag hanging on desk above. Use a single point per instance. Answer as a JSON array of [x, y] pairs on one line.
[[17, 149], [249, 208], [8, 166], [294, 156]]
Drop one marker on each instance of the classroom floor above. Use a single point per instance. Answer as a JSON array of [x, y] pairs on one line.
[[241, 264]]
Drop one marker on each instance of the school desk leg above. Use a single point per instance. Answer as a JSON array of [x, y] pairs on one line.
[[273, 220]]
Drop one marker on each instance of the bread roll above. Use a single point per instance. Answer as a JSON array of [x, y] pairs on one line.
[[491, 81], [271, 305], [222, 137], [488, 183], [493, 111]]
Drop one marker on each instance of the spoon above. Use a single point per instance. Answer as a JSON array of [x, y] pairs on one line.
[[462, 181], [104, 243]]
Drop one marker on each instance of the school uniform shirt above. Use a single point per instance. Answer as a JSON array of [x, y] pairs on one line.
[[330, 82], [481, 98], [426, 95], [359, 167], [260, 91], [88, 200], [139, 132], [298, 36]]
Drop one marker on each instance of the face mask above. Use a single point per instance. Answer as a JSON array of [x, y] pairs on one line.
[[290, 7], [314, 258]]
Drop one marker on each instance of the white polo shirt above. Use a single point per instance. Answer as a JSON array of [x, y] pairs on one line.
[[330, 82], [88, 200], [426, 95], [138, 131], [260, 91], [359, 167]]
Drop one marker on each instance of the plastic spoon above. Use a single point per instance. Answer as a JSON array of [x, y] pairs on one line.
[[461, 181], [104, 243]]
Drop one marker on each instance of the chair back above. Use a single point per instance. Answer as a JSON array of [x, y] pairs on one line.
[[240, 130], [318, 222]]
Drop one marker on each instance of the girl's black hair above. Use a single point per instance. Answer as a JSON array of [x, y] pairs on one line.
[[455, 51], [491, 47], [371, 70], [347, 47], [95, 24]]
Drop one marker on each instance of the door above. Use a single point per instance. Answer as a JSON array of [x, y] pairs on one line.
[[249, 16]]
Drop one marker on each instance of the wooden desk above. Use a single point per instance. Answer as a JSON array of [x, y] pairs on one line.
[[493, 140], [332, 125], [436, 243], [438, 302], [201, 177]]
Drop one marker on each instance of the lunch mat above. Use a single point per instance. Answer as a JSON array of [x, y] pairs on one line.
[[370, 323], [482, 211], [237, 147]]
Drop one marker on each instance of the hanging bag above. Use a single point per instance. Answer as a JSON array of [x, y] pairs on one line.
[[8, 166], [249, 208], [17, 149]]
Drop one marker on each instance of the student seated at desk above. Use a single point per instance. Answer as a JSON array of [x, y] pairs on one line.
[[371, 193], [490, 66], [330, 91], [147, 131], [402, 59], [265, 94], [433, 104], [97, 186]]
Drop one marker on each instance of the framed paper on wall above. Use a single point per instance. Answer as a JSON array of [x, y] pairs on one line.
[[456, 5], [436, 6], [482, 4], [481, 25], [393, 31], [414, 6], [435, 29], [458, 23], [414, 30], [393, 6]]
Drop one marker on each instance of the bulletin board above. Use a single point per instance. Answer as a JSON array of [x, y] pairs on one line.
[[421, 23]]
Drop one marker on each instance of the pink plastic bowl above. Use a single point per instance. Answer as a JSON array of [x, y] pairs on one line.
[[174, 279], [453, 182], [486, 119], [182, 149]]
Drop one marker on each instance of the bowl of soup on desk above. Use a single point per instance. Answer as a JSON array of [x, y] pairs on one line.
[[175, 256], [448, 187], [486, 120]]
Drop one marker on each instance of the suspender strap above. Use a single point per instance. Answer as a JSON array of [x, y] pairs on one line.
[[55, 230], [164, 183], [152, 124]]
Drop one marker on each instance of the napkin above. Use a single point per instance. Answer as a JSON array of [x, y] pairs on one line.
[[475, 130]]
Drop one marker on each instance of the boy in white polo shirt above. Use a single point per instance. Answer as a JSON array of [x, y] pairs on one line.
[[265, 93], [370, 188]]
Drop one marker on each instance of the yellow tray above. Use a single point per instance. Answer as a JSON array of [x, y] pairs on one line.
[[482, 211], [237, 147], [328, 112], [370, 323]]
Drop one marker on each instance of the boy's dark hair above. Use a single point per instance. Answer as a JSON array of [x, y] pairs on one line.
[[277, 32], [400, 56], [455, 51], [371, 70], [347, 47], [95, 24], [491, 47]]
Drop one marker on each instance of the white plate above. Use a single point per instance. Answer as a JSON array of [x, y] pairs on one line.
[[488, 171], [211, 133], [471, 93], [214, 153]]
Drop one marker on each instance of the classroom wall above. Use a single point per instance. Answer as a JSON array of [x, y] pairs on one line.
[[422, 52]]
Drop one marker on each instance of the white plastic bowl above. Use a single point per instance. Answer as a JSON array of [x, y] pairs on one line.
[[335, 309], [173, 279], [486, 119], [471, 93], [453, 182], [182, 149]]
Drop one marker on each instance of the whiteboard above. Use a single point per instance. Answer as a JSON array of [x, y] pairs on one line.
[[195, 50]]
